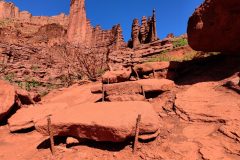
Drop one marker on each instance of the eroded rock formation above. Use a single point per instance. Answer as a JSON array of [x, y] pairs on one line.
[[146, 33], [10, 11], [80, 30], [214, 26]]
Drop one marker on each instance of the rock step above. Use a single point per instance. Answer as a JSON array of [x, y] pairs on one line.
[[111, 121]]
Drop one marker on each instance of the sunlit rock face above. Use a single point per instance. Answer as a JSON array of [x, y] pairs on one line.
[[80, 30], [10, 11], [214, 26]]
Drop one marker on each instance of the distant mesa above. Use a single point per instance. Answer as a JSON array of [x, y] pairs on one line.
[[9, 11]]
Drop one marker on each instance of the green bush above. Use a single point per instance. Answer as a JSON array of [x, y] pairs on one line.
[[167, 58], [180, 42], [32, 84], [10, 77]]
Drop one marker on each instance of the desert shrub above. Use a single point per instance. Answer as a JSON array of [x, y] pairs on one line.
[[165, 57], [29, 85], [81, 61], [10, 77], [180, 42]]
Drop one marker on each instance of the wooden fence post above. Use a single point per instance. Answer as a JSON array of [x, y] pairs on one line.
[[103, 93], [51, 136], [154, 76], [136, 134], [143, 92]]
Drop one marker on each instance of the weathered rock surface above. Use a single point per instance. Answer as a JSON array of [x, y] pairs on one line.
[[151, 66], [73, 95], [214, 26], [11, 98], [27, 117], [26, 97], [116, 76], [7, 99], [133, 90], [208, 102], [9, 11], [53, 102], [90, 121], [133, 87]]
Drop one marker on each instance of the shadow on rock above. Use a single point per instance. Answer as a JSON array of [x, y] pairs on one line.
[[213, 68], [109, 146]]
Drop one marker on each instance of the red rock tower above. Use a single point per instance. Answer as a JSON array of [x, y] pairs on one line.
[[154, 27], [77, 28]]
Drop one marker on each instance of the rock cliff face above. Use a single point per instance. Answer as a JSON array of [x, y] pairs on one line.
[[80, 30], [10, 11], [214, 26]]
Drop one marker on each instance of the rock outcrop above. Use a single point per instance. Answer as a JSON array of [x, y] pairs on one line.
[[90, 121], [73, 95], [19, 121], [54, 102], [7, 99], [214, 26], [208, 102], [116, 76], [12, 98], [134, 90], [9, 11], [80, 30]]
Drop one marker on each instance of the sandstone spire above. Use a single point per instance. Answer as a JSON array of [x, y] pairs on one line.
[[146, 33], [135, 33], [77, 22], [154, 27], [144, 29]]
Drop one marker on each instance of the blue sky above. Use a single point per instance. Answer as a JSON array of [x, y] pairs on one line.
[[172, 15]]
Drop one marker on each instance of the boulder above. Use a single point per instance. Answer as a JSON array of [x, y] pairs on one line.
[[12, 98], [135, 87], [73, 95], [7, 99], [151, 66], [72, 141], [116, 76], [26, 97], [123, 88], [214, 26], [27, 117], [112, 121], [156, 85]]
